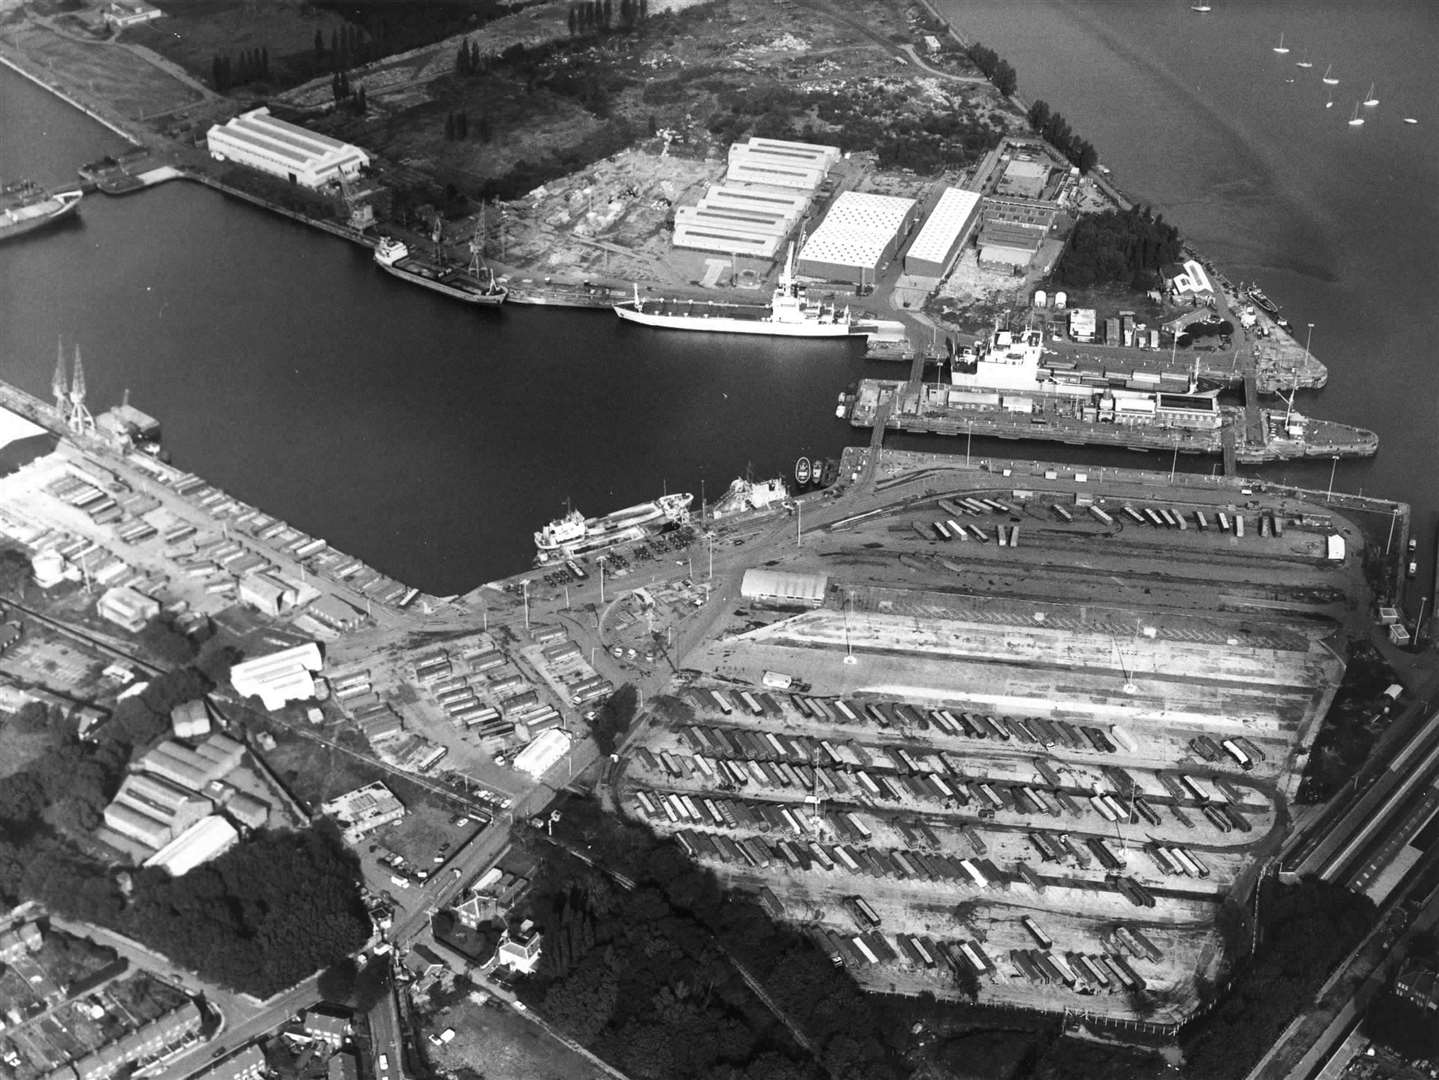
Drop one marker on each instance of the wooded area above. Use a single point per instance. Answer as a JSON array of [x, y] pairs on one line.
[[1124, 246]]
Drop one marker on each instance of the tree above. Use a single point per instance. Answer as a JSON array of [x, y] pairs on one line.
[[1004, 78], [1039, 115], [612, 719]]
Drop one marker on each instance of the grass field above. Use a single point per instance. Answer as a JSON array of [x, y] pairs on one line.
[[511, 1047]]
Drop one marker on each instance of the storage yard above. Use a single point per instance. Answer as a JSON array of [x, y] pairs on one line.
[[1053, 701]]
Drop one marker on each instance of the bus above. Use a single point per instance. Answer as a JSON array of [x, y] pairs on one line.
[[1163, 860], [859, 826], [1099, 515], [646, 803], [874, 713], [723, 701], [1241, 758], [686, 842], [1002, 535], [1107, 858], [862, 913], [1218, 818], [997, 728], [1154, 518], [1044, 940], [1048, 772], [1046, 848], [1239, 526], [821, 855], [1063, 514], [976, 956], [974, 873]]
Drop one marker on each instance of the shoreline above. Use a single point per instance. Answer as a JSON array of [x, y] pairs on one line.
[[109, 125]]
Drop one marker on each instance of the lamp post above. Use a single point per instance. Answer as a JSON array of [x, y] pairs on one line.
[[525, 595], [1174, 461], [1330, 493], [1308, 334], [968, 431]]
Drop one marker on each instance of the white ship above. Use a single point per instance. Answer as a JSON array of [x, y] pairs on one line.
[[788, 314], [574, 534], [744, 495]]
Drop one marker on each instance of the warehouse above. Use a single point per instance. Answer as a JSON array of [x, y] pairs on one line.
[[206, 839], [858, 237], [286, 150], [217, 756], [702, 229], [1023, 177], [943, 233], [780, 164], [774, 587], [280, 677]]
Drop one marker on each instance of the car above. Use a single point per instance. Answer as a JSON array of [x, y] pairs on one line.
[[439, 857], [1413, 567], [459, 821]]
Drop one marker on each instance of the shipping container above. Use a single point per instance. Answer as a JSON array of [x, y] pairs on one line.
[[1048, 772], [1043, 939], [863, 914], [975, 954], [1201, 520], [1239, 526], [1223, 521]]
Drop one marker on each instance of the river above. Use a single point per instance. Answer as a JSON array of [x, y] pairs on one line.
[[431, 440]]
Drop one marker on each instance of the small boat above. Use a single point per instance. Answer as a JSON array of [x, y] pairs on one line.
[[1306, 62], [1282, 49], [1356, 120], [1330, 103], [1262, 301], [1330, 79], [1411, 120], [1203, 9], [1369, 99]]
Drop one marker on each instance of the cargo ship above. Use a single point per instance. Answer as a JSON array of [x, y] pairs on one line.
[[574, 534], [1000, 389], [475, 284], [24, 207], [790, 313]]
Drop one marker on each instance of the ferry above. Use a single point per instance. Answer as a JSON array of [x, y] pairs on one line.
[[574, 534], [473, 285], [24, 207], [788, 314]]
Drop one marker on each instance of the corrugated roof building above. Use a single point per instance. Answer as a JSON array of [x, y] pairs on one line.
[[207, 838], [779, 587], [282, 149], [858, 237], [943, 233]]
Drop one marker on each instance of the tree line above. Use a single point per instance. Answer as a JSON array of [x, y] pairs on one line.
[[1056, 131], [227, 72], [589, 16], [998, 71]]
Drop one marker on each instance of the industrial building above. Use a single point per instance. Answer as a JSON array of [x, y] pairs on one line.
[[362, 811], [153, 810], [940, 238], [267, 594], [282, 149], [190, 720], [211, 759], [207, 839], [280, 677], [740, 219], [858, 237], [776, 587], [779, 163], [1009, 246], [536, 759]]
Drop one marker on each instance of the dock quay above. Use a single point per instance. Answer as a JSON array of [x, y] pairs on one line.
[[1260, 435], [111, 515]]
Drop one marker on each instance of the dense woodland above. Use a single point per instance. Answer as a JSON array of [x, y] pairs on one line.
[[265, 914], [1127, 247]]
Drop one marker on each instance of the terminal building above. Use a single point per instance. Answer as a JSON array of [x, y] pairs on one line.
[[282, 149], [858, 237], [940, 238]]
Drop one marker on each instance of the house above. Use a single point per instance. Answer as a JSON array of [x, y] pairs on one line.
[[14, 943], [343, 1065], [424, 962], [123, 13], [520, 949], [326, 1025]]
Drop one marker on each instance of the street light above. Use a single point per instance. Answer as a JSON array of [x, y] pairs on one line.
[[1329, 493], [968, 431], [525, 595], [1308, 334]]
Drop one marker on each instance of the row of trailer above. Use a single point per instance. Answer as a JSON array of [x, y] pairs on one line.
[[918, 951], [1239, 751], [1085, 973], [887, 715], [950, 529]]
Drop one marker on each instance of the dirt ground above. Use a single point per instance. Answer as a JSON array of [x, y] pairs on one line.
[[506, 1046]]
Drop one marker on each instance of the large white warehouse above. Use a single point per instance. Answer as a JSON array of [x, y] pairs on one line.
[[282, 149], [943, 233], [858, 237]]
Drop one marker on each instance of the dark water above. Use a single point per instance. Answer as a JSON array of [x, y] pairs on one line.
[[432, 440]]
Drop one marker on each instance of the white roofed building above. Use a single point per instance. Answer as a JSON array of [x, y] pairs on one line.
[[782, 587], [127, 608], [280, 677], [282, 149], [858, 237], [779, 163], [943, 233], [207, 838], [537, 758]]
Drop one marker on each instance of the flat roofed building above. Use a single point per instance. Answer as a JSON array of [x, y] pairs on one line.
[[858, 237], [1024, 177], [190, 719], [279, 677], [127, 608], [782, 587], [125, 13], [750, 164], [363, 810], [207, 838], [282, 149], [1040, 212], [943, 233]]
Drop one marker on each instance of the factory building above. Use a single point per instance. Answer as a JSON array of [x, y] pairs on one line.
[[1009, 246], [152, 810], [858, 237], [207, 839], [779, 163], [212, 759], [729, 232], [786, 589], [286, 150], [938, 242], [280, 677]]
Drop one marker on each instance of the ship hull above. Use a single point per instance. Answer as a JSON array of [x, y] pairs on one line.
[[12, 230], [464, 295], [729, 324]]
